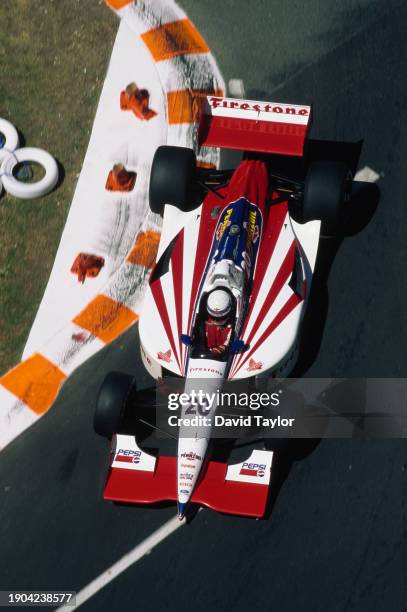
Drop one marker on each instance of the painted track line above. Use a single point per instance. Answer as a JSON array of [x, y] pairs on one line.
[[125, 562]]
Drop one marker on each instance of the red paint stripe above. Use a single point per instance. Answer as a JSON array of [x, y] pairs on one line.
[[157, 291], [288, 307], [124, 459], [271, 233], [281, 278], [177, 280]]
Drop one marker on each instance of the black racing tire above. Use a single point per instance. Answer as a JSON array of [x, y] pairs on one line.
[[326, 193], [172, 179], [111, 403]]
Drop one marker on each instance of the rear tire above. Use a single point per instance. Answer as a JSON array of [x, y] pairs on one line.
[[326, 193], [111, 403], [172, 179]]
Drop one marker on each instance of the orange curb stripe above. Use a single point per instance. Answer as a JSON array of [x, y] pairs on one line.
[[175, 38], [105, 318], [118, 4], [144, 251], [36, 382], [184, 105]]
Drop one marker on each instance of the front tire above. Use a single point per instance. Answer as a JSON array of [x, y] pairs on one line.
[[326, 193], [172, 179], [111, 403]]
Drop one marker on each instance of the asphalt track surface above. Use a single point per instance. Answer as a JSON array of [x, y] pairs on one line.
[[336, 538]]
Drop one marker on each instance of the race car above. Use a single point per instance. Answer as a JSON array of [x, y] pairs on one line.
[[226, 297]]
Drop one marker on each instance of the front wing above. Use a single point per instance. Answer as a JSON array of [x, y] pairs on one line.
[[137, 477]]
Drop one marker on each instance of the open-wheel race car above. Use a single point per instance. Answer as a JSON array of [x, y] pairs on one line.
[[226, 297]]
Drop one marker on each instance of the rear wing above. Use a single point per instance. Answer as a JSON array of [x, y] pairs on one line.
[[266, 127]]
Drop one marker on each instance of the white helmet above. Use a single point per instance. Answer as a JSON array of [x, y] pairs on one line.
[[219, 303]]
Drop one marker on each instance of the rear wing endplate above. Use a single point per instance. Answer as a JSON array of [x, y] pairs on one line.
[[266, 127]]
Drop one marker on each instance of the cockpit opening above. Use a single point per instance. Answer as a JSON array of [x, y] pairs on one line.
[[214, 325]]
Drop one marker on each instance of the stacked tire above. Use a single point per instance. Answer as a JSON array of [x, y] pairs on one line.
[[11, 156]]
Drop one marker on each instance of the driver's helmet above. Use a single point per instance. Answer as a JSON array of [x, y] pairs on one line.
[[219, 304]]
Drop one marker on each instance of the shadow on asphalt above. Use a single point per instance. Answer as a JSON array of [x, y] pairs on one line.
[[283, 462], [363, 205]]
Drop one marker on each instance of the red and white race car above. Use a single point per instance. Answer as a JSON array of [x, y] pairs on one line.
[[227, 294]]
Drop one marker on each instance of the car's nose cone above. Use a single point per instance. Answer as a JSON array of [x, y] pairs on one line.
[[181, 510]]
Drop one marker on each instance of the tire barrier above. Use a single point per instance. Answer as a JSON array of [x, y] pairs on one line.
[[11, 138], [10, 142], [28, 191], [11, 156]]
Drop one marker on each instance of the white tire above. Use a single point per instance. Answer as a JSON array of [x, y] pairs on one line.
[[11, 143], [11, 136], [28, 191]]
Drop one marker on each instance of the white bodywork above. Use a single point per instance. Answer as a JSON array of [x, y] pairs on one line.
[[153, 337]]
